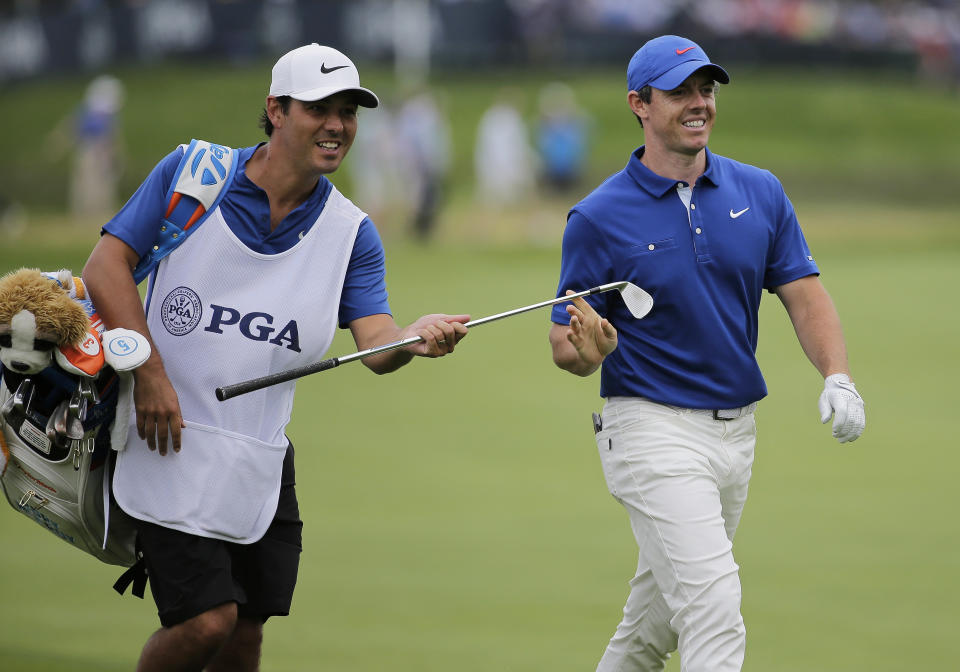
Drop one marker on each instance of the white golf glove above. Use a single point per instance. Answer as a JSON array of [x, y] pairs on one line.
[[841, 400]]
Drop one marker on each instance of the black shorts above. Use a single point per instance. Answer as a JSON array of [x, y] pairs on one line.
[[190, 575]]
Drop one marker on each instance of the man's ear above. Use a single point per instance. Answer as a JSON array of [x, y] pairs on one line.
[[274, 111], [637, 105]]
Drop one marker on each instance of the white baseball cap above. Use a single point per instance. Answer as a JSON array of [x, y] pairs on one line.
[[313, 72]]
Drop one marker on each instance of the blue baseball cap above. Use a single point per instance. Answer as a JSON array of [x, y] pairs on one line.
[[665, 61]]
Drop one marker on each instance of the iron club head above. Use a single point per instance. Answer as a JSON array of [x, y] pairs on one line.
[[637, 300]]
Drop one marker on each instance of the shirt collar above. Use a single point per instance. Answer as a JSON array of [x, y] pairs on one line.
[[300, 219], [657, 185]]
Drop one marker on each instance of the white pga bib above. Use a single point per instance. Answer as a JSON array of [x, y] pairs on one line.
[[220, 312]]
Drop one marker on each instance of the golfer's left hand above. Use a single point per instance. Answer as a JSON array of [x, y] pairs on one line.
[[440, 334], [841, 400]]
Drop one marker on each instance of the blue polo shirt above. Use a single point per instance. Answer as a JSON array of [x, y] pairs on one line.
[[246, 210], [705, 267]]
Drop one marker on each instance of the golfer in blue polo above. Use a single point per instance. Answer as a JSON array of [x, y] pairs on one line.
[[705, 235]]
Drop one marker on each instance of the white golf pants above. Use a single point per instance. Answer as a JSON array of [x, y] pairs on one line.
[[682, 477]]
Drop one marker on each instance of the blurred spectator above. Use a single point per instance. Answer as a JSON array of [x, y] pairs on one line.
[[866, 21], [423, 137], [24, 50], [280, 24], [540, 24], [373, 165], [93, 135], [503, 158], [562, 131], [644, 16], [13, 218]]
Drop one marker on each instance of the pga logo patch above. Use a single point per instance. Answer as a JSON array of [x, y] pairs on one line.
[[181, 311]]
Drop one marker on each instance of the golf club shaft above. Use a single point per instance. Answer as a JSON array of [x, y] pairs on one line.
[[543, 304], [230, 391]]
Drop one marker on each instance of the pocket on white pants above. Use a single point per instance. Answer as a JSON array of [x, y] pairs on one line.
[[605, 450]]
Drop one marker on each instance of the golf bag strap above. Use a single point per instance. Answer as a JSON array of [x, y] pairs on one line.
[[136, 574], [196, 190]]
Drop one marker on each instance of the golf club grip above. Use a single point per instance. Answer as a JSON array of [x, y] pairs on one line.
[[230, 391]]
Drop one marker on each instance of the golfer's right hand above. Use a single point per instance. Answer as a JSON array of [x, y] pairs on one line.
[[592, 336], [157, 407]]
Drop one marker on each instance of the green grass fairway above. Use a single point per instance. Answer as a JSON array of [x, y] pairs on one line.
[[456, 516]]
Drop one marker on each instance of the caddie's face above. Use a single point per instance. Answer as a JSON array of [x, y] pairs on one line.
[[320, 132], [680, 120]]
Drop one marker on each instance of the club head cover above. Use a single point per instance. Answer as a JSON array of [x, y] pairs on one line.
[[125, 349], [84, 359], [20, 355]]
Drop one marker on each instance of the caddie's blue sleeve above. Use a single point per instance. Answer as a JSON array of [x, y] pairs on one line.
[[137, 221], [365, 286]]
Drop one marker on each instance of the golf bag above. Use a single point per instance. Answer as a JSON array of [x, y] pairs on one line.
[[60, 482]]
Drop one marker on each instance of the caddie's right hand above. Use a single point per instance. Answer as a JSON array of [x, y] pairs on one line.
[[440, 333], [841, 400], [157, 406], [592, 336]]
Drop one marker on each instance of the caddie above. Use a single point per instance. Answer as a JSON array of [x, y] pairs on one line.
[[705, 235], [280, 259]]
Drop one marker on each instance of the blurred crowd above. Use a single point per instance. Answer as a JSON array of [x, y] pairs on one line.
[[400, 164], [403, 158], [40, 37], [928, 29]]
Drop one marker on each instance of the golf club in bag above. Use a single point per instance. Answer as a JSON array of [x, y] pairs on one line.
[[638, 302]]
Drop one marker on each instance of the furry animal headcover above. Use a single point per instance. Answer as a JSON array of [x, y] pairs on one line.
[[58, 317], [37, 312]]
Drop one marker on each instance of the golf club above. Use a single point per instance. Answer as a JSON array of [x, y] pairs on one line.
[[638, 302]]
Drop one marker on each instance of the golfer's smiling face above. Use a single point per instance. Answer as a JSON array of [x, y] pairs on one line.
[[680, 120]]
